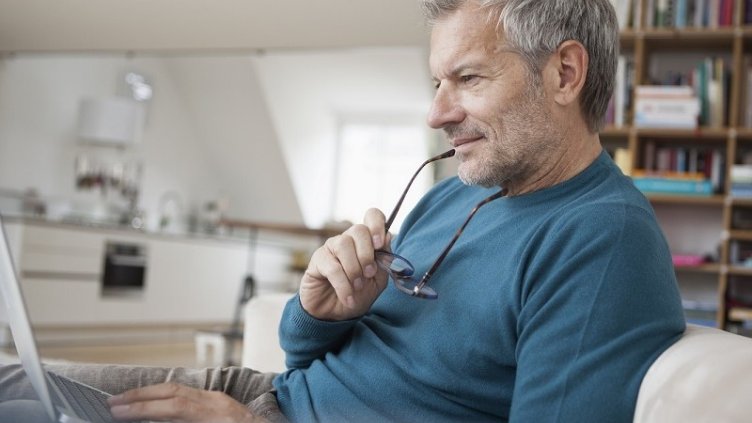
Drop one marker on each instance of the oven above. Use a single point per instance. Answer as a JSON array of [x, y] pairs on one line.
[[124, 269]]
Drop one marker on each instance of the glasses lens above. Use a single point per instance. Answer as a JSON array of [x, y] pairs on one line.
[[397, 266], [402, 272]]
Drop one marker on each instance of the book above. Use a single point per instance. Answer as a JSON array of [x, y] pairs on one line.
[[666, 106], [700, 312], [650, 13], [716, 93], [741, 190], [664, 114], [623, 160], [717, 166], [741, 173], [619, 92], [687, 260], [637, 18], [698, 19], [713, 18], [680, 19], [689, 176], [622, 8], [652, 185], [669, 14], [700, 83]]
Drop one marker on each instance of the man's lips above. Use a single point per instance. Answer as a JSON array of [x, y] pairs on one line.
[[461, 141]]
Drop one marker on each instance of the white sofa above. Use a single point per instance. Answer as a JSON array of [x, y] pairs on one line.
[[261, 350], [705, 377]]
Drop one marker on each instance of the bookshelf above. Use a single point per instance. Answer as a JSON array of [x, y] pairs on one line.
[[666, 40]]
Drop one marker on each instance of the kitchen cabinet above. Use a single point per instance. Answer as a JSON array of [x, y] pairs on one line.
[[188, 280]]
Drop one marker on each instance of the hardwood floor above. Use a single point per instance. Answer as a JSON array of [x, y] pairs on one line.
[[147, 348], [168, 354]]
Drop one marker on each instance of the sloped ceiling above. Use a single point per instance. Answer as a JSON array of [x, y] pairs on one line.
[[143, 25], [238, 136]]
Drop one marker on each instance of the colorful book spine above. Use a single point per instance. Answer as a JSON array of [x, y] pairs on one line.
[[651, 185]]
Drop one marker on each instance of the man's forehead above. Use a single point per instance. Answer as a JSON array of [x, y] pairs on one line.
[[466, 28], [464, 46]]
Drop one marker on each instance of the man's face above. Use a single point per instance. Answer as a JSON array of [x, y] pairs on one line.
[[485, 101]]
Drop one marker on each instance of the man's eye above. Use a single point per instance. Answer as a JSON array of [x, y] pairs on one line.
[[468, 78]]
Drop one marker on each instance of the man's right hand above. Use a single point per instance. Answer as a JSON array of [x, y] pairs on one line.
[[342, 280]]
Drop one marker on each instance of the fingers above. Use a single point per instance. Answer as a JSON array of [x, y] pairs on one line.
[[160, 410], [157, 402], [160, 391], [177, 403], [348, 261], [342, 279], [376, 223]]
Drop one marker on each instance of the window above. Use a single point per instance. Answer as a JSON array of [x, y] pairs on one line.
[[375, 160]]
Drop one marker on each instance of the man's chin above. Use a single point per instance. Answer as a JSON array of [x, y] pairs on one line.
[[473, 178]]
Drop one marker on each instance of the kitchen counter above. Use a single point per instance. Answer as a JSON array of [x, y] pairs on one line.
[[187, 277], [239, 236], [80, 275]]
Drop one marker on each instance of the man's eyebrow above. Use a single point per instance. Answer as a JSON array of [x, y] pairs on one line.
[[459, 68], [473, 64]]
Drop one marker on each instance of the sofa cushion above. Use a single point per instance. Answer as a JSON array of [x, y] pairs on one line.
[[706, 376], [261, 350]]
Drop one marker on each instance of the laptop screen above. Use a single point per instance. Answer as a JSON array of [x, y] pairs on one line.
[[20, 327]]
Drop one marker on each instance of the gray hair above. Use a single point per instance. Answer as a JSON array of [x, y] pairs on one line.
[[536, 28]]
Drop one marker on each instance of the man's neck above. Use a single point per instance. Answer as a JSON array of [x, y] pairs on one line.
[[575, 155]]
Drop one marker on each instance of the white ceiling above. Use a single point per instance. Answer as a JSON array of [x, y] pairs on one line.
[[198, 25]]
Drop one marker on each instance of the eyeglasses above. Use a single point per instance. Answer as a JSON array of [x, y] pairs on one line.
[[399, 268]]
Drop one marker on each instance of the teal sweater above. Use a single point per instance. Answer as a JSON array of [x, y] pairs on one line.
[[552, 305]]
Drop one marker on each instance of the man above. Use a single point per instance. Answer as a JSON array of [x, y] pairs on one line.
[[552, 303]]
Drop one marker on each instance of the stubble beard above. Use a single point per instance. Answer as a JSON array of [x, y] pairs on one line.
[[512, 156]]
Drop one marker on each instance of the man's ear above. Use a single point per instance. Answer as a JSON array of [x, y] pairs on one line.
[[568, 69]]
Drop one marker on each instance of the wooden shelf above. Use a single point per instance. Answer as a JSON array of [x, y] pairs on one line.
[[740, 313], [739, 271], [627, 39], [740, 234], [739, 201], [734, 44], [743, 134], [322, 233], [705, 268], [613, 131], [689, 38], [746, 32], [701, 133], [712, 201]]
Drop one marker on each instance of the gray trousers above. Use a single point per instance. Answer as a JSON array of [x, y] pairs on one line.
[[249, 387]]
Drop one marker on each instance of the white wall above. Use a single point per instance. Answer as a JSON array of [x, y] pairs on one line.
[[307, 91], [39, 112], [260, 130], [204, 122], [230, 116]]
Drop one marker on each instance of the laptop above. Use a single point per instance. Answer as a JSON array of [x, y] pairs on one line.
[[64, 400]]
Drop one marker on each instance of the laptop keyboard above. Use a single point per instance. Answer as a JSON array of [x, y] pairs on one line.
[[88, 403]]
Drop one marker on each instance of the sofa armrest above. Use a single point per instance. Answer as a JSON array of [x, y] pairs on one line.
[[706, 376], [261, 350]]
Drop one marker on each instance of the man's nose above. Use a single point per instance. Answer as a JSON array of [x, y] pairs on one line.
[[445, 109]]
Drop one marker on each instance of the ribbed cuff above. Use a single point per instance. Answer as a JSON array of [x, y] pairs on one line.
[[310, 327]]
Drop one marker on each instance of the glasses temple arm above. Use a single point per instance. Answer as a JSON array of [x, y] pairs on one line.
[[393, 215], [437, 263]]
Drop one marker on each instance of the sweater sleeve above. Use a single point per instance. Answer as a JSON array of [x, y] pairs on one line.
[[598, 304], [305, 338]]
